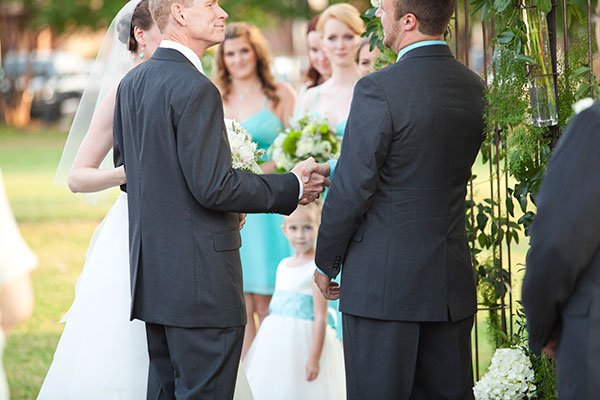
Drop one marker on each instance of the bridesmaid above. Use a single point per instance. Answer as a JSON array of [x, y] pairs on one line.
[[319, 68], [365, 57], [339, 27], [263, 106]]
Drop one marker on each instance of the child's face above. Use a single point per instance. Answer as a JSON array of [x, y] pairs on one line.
[[300, 228]]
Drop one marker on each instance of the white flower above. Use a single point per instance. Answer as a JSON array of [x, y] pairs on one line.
[[582, 104], [304, 147], [244, 153], [376, 3], [509, 377], [310, 136]]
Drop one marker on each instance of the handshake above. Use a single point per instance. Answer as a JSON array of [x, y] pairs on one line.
[[314, 178]]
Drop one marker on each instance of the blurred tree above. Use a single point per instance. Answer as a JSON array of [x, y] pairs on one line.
[[22, 20]]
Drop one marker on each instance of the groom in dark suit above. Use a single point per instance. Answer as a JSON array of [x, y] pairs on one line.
[[184, 204], [561, 289], [394, 219]]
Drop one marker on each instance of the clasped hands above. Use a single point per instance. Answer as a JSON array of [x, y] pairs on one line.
[[314, 177]]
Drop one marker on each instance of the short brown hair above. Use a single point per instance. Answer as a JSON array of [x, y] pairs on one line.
[[161, 9], [433, 15], [263, 59]]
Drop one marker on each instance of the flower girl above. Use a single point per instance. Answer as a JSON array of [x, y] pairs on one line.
[[295, 354]]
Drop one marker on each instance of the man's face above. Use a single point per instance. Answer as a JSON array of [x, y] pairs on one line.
[[206, 21], [386, 13]]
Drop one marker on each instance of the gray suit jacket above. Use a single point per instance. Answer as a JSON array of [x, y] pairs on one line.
[[395, 212], [184, 197], [561, 290]]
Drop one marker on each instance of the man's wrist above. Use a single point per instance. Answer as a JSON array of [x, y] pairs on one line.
[[301, 191]]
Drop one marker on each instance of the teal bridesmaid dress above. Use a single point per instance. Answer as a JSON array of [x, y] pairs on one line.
[[339, 129], [263, 242]]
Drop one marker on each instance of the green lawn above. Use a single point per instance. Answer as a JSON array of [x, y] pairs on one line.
[[58, 226]]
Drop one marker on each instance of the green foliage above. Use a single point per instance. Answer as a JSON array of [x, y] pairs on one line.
[[64, 14], [489, 289], [289, 144], [265, 12], [374, 31]]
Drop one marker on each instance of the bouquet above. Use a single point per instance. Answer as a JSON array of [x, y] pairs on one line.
[[308, 136], [244, 154], [510, 377]]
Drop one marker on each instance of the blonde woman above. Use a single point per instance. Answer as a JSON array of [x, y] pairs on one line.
[[340, 28], [365, 57]]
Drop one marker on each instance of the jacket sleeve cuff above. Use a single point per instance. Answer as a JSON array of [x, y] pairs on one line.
[[332, 164]]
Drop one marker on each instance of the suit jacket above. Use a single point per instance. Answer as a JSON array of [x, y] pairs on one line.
[[395, 212], [561, 290], [184, 197]]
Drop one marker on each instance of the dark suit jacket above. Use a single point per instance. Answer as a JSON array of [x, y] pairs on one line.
[[561, 290], [184, 197], [395, 212]]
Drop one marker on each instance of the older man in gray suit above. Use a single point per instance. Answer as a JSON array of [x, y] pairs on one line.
[[184, 204], [395, 215], [561, 290]]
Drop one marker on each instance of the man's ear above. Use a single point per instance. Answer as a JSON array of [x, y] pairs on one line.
[[409, 22], [178, 13]]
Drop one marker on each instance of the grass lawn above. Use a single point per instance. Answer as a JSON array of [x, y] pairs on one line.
[[58, 226]]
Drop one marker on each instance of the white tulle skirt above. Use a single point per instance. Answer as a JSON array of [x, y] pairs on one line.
[[101, 353], [276, 362]]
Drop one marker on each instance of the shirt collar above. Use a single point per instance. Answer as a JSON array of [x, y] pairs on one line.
[[186, 51], [417, 45]]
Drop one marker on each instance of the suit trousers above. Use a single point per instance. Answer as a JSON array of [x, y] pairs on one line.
[[193, 363], [407, 360]]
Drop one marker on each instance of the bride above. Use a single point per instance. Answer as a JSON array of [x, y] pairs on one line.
[[101, 353]]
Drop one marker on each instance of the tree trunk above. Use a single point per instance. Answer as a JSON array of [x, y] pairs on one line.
[[16, 35]]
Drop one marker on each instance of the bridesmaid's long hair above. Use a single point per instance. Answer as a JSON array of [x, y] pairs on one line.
[[263, 60], [313, 77]]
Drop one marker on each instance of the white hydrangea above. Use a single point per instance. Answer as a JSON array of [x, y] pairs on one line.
[[244, 153], [510, 377], [304, 146], [582, 104]]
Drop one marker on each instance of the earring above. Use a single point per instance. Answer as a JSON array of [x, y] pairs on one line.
[[142, 53]]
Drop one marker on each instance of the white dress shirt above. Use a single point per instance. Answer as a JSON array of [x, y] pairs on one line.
[[186, 51]]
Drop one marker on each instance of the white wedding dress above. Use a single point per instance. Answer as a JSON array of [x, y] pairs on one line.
[[101, 353]]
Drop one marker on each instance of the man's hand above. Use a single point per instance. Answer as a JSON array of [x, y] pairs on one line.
[[242, 220], [550, 347], [329, 289], [314, 178]]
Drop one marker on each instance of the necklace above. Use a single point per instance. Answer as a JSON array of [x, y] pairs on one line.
[[244, 95]]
